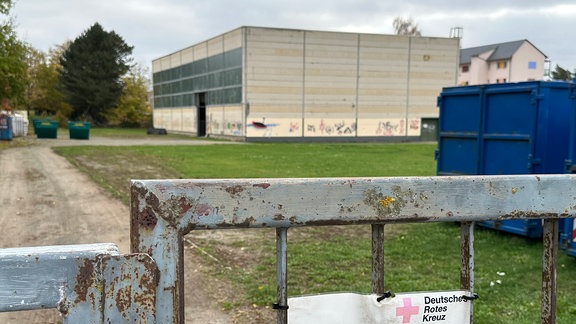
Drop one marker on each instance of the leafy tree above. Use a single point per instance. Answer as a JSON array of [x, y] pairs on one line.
[[5, 6], [43, 95], [406, 27], [133, 109], [12, 58], [92, 71], [561, 74]]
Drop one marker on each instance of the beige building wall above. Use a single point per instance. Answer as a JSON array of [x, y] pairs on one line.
[[300, 83], [225, 120], [527, 64], [325, 84]]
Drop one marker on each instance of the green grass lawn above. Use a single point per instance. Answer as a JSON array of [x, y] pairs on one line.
[[419, 257], [129, 133]]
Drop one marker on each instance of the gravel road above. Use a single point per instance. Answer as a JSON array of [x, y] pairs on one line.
[[44, 200]]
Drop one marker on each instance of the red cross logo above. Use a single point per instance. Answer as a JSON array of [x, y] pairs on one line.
[[407, 310]]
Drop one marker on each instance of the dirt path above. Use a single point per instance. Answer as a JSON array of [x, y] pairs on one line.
[[46, 201]]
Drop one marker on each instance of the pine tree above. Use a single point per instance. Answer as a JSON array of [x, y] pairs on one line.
[[561, 74], [92, 71]]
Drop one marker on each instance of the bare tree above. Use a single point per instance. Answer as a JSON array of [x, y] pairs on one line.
[[405, 26]]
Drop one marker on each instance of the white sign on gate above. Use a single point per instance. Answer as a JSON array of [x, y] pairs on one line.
[[448, 307]]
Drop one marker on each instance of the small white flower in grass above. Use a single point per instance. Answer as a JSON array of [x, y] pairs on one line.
[[500, 273], [499, 281], [492, 284]]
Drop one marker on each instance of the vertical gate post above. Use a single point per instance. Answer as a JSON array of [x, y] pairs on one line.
[[549, 267], [282, 275], [378, 259], [467, 261]]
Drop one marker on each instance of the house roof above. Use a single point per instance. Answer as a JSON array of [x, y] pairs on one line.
[[502, 51]]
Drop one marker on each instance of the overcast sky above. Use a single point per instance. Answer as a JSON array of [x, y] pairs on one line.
[[159, 27]]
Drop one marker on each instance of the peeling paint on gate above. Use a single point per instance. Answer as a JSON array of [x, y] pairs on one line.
[[180, 206], [87, 283], [84, 280], [393, 205]]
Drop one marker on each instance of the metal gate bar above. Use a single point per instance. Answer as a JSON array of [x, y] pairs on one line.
[[378, 287], [549, 268], [87, 283], [163, 211], [282, 274], [467, 260]]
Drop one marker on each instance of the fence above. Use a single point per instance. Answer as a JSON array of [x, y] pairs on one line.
[[95, 284], [162, 212]]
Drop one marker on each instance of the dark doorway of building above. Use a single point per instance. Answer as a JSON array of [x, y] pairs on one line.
[[201, 105], [429, 130]]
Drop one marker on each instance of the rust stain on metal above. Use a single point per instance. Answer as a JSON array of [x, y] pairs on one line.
[[378, 258], [465, 275], [202, 209], [261, 185], [146, 218], [148, 283], [184, 205], [549, 271], [234, 190], [124, 299], [63, 307], [248, 221], [84, 280], [521, 214]]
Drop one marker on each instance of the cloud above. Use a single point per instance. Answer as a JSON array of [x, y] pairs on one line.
[[157, 28]]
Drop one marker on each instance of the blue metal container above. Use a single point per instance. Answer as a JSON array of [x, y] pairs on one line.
[[509, 128], [568, 226], [5, 127], [567, 233]]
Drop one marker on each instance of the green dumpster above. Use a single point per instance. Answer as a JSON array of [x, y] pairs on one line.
[[79, 130], [46, 129]]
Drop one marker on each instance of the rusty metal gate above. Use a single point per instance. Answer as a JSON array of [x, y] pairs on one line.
[[87, 283], [163, 211], [95, 284]]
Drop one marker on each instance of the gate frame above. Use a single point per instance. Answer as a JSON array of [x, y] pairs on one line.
[[163, 211], [86, 283]]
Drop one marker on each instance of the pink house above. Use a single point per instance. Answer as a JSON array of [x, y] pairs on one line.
[[499, 63]]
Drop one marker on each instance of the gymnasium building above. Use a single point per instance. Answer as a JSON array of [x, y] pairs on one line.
[[272, 84]]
